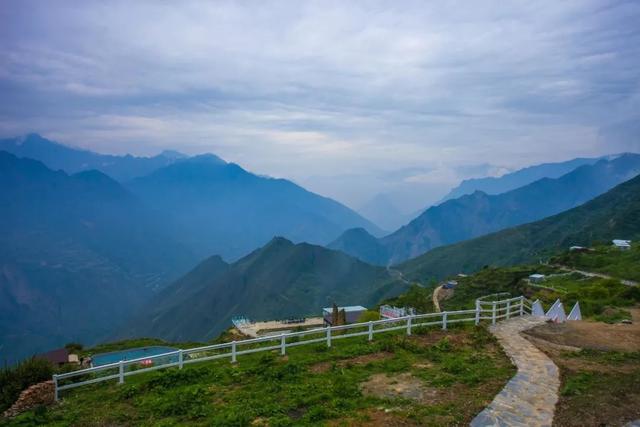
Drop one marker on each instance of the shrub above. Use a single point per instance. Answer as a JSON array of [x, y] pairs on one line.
[[17, 378]]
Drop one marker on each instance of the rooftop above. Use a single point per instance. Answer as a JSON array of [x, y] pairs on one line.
[[347, 308]]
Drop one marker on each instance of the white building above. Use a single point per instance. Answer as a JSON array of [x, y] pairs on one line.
[[623, 245], [536, 278]]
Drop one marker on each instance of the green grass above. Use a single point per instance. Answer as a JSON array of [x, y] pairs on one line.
[[600, 299], [264, 387], [605, 259]]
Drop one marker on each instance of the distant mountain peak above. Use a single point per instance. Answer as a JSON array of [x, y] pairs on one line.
[[279, 241], [173, 154], [206, 158]]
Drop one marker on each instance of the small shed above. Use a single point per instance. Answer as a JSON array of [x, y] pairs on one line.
[[536, 278], [623, 245], [57, 357], [352, 314], [450, 284]]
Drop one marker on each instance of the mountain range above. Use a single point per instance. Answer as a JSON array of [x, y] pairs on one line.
[[516, 179], [80, 251], [216, 207], [77, 254], [613, 215], [279, 280], [477, 214], [220, 208], [71, 160]]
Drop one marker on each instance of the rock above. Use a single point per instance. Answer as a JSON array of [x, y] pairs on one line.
[[36, 395]]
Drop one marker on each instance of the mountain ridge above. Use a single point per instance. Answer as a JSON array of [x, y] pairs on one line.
[[613, 214], [478, 213], [279, 280]]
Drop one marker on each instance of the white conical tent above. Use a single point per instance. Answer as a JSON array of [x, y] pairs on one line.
[[575, 313], [536, 309], [556, 312], [551, 312], [560, 315]]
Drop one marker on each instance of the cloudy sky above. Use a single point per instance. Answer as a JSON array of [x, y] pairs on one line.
[[349, 99]]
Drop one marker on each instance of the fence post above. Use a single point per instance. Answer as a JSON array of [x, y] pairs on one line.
[[444, 320], [233, 352], [521, 305], [180, 359], [477, 312], [370, 331], [121, 372], [55, 387], [493, 313], [409, 325], [283, 344], [508, 309], [329, 336]]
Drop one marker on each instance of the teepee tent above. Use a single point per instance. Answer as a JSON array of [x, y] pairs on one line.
[[575, 313], [536, 309]]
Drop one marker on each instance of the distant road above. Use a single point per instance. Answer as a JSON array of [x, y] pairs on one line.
[[591, 274], [397, 274], [436, 301]]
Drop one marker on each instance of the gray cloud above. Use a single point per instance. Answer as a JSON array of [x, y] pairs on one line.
[[335, 95]]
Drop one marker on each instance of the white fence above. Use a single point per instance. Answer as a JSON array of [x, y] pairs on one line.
[[485, 310]]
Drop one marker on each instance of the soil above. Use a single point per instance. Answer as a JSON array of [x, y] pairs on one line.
[[404, 386], [616, 400], [592, 335], [353, 361]]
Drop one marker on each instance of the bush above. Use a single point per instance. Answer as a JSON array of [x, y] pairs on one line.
[[17, 378]]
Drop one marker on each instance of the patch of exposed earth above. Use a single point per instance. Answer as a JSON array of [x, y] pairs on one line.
[[592, 335]]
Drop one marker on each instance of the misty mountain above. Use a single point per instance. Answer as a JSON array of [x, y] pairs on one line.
[[519, 178], [279, 280], [384, 212], [220, 208], [479, 213], [77, 254], [71, 160], [613, 215]]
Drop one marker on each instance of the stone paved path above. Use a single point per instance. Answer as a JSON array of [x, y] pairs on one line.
[[530, 397]]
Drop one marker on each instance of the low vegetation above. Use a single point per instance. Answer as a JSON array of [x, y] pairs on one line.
[[433, 377], [600, 299], [14, 379], [605, 259]]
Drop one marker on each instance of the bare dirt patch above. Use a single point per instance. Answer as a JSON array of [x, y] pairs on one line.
[[404, 386], [436, 335], [592, 335], [594, 391], [354, 361]]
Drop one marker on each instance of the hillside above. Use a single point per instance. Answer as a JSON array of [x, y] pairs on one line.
[[279, 280], [77, 253], [220, 208], [72, 160], [517, 179], [478, 214], [615, 214]]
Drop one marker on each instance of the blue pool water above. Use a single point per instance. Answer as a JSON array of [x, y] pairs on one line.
[[135, 353]]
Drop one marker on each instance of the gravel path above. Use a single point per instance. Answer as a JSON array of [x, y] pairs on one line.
[[530, 397]]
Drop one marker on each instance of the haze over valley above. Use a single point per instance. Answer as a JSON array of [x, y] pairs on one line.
[[319, 213]]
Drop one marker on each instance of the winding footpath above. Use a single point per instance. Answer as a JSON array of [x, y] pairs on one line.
[[529, 398], [436, 299]]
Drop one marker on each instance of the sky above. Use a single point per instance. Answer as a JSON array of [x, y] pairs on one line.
[[349, 99]]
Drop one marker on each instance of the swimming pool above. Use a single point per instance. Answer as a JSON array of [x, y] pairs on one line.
[[135, 353]]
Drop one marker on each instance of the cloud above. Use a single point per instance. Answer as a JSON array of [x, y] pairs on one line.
[[322, 89]]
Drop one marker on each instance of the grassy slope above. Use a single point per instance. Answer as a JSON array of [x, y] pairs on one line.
[[605, 259], [279, 280], [460, 370], [615, 214]]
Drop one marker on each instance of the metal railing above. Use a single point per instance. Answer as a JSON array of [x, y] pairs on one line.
[[498, 310]]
